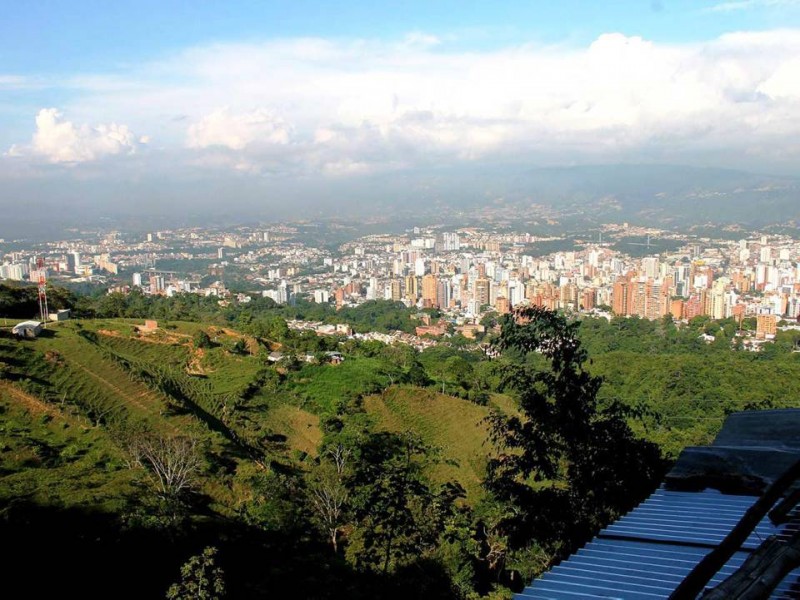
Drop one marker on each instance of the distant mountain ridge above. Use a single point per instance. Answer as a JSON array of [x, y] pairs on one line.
[[669, 193], [645, 194], [675, 195]]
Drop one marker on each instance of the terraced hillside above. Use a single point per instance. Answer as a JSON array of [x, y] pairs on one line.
[[106, 376], [80, 404]]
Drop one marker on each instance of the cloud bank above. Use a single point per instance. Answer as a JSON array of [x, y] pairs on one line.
[[323, 107]]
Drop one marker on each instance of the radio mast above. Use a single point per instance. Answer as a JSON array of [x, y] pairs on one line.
[[43, 311]]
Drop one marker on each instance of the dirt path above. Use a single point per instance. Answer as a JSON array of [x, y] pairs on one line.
[[33, 404], [250, 341], [195, 365]]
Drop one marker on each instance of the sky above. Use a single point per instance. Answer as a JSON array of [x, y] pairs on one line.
[[175, 102]]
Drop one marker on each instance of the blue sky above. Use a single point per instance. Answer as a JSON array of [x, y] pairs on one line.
[[95, 91], [49, 37]]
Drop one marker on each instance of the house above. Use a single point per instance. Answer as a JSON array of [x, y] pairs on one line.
[[61, 315], [470, 330], [148, 327], [650, 551], [335, 358], [275, 357], [27, 329]]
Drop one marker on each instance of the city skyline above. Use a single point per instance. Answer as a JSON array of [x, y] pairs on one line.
[[466, 274]]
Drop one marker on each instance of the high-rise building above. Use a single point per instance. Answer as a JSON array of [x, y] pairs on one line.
[[619, 298], [588, 299], [396, 290], [568, 296], [443, 294], [676, 309], [766, 325], [429, 290], [450, 242], [502, 305], [13, 271], [650, 267], [483, 288], [412, 288], [74, 261], [156, 284], [693, 307]]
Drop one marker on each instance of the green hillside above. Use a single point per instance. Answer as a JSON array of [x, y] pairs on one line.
[[344, 476], [81, 405], [104, 378], [455, 427], [51, 456]]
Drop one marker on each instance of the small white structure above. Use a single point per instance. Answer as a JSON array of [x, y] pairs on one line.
[[61, 315], [27, 329]]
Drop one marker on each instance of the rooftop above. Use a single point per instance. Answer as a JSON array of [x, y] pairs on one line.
[[647, 553]]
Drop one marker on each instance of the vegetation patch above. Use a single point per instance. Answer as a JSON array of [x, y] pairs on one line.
[[456, 427]]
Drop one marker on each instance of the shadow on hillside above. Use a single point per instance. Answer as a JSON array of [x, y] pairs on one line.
[[54, 552], [16, 377]]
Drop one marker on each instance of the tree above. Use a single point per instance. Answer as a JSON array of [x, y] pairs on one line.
[[457, 371], [588, 464], [201, 340], [399, 517], [328, 495], [239, 347], [417, 376], [398, 354], [201, 579], [173, 462]]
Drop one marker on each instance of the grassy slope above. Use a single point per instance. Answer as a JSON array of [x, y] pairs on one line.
[[300, 427], [54, 458], [322, 386], [77, 372], [227, 373], [453, 425]]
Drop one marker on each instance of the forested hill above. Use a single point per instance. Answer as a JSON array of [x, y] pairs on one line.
[[393, 474]]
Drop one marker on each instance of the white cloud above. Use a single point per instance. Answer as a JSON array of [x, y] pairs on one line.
[[60, 141], [784, 82], [420, 39], [238, 130]]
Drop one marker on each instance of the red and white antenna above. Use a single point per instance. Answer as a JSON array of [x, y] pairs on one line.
[[43, 311]]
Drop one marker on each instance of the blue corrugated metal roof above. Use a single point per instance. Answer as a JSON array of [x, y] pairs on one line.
[[648, 552]]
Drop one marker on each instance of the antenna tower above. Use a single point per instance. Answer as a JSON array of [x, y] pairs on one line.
[[43, 311]]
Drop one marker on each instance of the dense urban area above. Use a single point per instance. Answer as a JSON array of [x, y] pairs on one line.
[[465, 273]]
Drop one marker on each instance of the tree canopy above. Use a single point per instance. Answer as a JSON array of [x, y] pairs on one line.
[[566, 465]]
